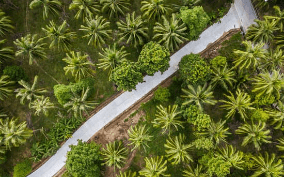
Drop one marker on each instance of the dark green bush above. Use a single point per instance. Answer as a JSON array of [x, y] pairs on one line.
[[162, 94], [22, 169], [62, 93], [218, 61], [16, 73]]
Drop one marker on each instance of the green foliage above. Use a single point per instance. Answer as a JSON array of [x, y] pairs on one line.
[[83, 160], [5, 24], [49, 6], [196, 20], [218, 166], [154, 9], [203, 143], [126, 76], [191, 113], [155, 166], [265, 99], [139, 136], [6, 87], [218, 61], [259, 115], [153, 58], [202, 122], [162, 94], [194, 70], [63, 93], [15, 73], [22, 169], [86, 8], [115, 7]]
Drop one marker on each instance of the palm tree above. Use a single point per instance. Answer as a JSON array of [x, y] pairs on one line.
[[249, 58], [60, 36], [262, 32], [139, 136], [280, 145], [29, 92], [230, 154], [132, 30], [79, 104], [41, 104], [269, 166], [14, 134], [127, 174], [199, 96], [277, 116], [115, 7], [112, 57], [5, 24], [224, 77], [279, 17], [154, 9], [255, 133], [155, 166], [6, 88], [167, 118], [31, 47], [98, 31], [86, 8], [197, 172], [114, 154], [241, 103], [78, 65], [49, 6], [274, 60], [280, 41], [171, 33], [216, 132], [263, 4], [177, 151], [269, 83], [6, 53]]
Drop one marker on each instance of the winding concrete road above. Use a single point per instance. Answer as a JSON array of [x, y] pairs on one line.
[[240, 14]]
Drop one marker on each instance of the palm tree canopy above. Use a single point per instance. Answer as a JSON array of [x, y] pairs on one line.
[[171, 33], [86, 8], [115, 7], [5, 24], [139, 136], [279, 17], [155, 166], [6, 87], [127, 174], [41, 104], [154, 9], [167, 118], [6, 53], [230, 154], [78, 65], [199, 95], [223, 76], [133, 30], [49, 6], [98, 31], [196, 172], [31, 47], [241, 103], [274, 60]]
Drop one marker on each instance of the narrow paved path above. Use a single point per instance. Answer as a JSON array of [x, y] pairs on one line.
[[241, 13]]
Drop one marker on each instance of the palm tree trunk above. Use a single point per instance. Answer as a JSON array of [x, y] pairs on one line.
[[46, 73]]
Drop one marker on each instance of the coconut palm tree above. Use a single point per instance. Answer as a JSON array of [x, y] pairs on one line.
[[139, 136], [199, 96], [6, 53], [241, 103], [167, 118], [5, 24], [177, 151], [280, 144], [223, 77], [279, 17], [155, 166], [6, 88], [114, 154], [274, 60], [110, 58], [79, 104], [133, 30], [31, 47], [250, 57], [269, 83], [127, 174], [29, 92], [78, 65], [60, 36], [230, 154], [277, 116], [171, 33], [14, 134], [86, 8], [41, 105], [255, 133], [263, 4], [49, 6], [154, 9], [115, 7], [262, 31], [216, 132], [196, 172], [268, 166], [98, 31]]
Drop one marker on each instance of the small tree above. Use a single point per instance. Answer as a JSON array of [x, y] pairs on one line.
[[83, 160], [22, 169], [153, 58], [162, 94]]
